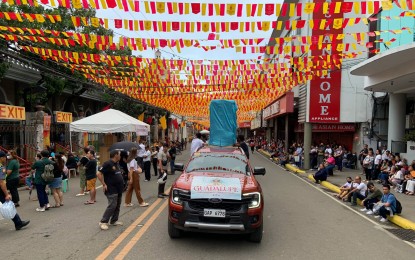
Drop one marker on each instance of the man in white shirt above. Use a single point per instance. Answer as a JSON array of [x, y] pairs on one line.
[[359, 192], [140, 154], [196, 143]]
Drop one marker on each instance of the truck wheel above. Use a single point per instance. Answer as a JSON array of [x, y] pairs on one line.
[[173, 231], [256, 236]]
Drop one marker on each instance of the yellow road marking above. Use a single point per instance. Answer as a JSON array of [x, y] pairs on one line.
[[130, 229], [140, 233]]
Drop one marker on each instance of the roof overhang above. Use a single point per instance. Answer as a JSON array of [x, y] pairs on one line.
[[391, 71]]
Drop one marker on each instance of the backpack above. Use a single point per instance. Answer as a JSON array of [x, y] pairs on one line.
[[47, 174], [398, 207]]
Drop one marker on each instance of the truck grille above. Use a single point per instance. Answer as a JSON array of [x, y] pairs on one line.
[[228, 206]]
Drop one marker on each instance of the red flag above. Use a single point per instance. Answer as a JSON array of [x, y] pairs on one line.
[[118, 23], [195, 8], [239, 10], [111, 3], [175, 26], [269, 9], [170, 7], [211, 36]]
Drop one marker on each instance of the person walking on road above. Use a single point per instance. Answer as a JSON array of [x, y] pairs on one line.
[[147, 163], [56, 184], [4, 195], [140, 155], [39, 167], [12, 178], [81, 169], [134, 171], [162, 167], [91, 177], [110, 176], [172, 156], [154, 153]]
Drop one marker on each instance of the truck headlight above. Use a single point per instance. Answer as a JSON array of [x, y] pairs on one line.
[[176, 197], [254, 199]]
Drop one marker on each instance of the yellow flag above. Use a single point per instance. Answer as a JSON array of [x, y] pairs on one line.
[[163, 122], [141, 117]]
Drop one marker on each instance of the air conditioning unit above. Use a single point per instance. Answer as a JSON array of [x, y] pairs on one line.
[[410, 122]]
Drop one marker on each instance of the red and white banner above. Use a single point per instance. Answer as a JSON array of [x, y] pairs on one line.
[[324, 103], [244, 125]]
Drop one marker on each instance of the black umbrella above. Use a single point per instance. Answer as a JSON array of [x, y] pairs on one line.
[[125, 145]]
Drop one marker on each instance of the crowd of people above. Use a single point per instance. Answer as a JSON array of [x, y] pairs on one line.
[[121, 173], [336, 155]]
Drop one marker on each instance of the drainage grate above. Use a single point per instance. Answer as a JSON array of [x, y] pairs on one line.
[[404, 234]]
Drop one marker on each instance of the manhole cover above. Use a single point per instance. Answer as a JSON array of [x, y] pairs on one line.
[[404, 234]]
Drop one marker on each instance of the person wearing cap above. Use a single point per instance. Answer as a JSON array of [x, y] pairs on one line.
[[4, 195]]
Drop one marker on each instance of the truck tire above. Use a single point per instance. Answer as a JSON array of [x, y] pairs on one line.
[[173, 231], [256, 236]]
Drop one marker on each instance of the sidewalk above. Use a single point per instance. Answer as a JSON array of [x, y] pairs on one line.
[[405, 220]]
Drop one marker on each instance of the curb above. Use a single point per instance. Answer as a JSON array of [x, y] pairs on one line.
[[397, 220]]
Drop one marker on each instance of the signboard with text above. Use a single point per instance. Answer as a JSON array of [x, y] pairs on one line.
[[63, 117], [213, 187], [12, 112], [328, 128], [244, 125], [281, 106], [324, 103]]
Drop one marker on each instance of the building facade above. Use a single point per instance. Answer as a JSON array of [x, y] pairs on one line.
[[390, 75], [330, 104]]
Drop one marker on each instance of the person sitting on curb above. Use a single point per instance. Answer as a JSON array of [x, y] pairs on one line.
[[387, 205], [330, 163], [359, 192], [345, 188], [321, 174], [373, 197]]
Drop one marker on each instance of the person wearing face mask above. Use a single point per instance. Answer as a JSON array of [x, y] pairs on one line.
[[345, 189], [12, 179]]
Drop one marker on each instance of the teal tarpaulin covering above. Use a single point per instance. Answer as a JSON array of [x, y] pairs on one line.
[[223, 122]]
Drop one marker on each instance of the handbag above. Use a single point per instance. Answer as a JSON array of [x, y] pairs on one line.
[[164, 162], [8, 210]]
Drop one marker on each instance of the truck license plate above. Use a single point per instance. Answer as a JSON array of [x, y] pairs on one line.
[[214, 213]]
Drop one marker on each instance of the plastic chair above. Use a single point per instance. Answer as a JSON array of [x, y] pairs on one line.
[[73, 170]]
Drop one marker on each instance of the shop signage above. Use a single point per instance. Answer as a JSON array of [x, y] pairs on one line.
[[281, 106], [63, 117], [46, 123], [328, 128], [245, 125], [324, 102], [12, 112]]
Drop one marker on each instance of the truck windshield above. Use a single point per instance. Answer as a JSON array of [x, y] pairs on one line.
[[232, 163]]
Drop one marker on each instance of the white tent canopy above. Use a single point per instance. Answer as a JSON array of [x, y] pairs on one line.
[[110, 121]]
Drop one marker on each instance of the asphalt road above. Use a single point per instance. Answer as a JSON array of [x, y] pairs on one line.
[[301, 222]]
